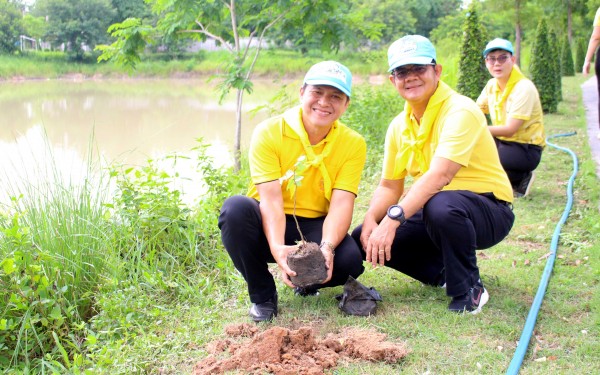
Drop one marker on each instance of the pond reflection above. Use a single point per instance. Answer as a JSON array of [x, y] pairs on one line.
[[123, 121]]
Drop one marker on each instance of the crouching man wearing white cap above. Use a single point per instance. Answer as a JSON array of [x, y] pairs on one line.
[[259, 228], [460, 199]]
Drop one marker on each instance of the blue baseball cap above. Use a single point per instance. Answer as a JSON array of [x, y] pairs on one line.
[[410, 49], [498, 43], [330, 73]]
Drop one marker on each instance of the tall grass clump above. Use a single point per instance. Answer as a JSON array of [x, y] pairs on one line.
[[82, 248], [172, 250], [56, 252]]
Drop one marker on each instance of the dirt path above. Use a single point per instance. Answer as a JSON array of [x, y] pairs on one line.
[[590, 102]]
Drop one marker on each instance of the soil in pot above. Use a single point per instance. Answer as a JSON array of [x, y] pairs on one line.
[[309, 264]]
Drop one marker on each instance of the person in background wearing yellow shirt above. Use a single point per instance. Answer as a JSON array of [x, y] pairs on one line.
[[460, 198], [513, 103], [591, 50], [259, 228]]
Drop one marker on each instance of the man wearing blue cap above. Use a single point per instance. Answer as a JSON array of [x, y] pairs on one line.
[[460, 198], [513, 103], [259, 228]]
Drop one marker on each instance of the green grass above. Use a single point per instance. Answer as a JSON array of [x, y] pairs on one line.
[[175, 289]]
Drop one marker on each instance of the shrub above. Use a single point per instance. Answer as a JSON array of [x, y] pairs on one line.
[[555, 50], [473, 74], [543, 69], [580, 54], [567, 66]]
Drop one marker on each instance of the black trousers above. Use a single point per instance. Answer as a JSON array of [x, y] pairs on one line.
[[445, 235], [518, 159], [245, 241]]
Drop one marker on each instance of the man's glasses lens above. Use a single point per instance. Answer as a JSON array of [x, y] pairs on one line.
[[501, 59], [406, 70]]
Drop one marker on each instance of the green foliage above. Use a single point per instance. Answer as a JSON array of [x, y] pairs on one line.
[[295, 175], [449, 28], [131, 39], [34, 27], [54, 256], [235, 78], [581, 49], [556, 52], [567, 66], [153, 221], [38, 322], [543, 69], [11, 26], [428, 13], [125, 9], [69, 22], [370, 112], [473, 73], [158, 235]]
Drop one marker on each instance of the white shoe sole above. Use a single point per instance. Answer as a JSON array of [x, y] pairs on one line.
[[529, 185], [484, 298]]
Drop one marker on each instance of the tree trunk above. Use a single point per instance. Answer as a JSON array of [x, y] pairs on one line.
[[238, 131]]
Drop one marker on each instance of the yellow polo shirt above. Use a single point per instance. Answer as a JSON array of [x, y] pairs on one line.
[[459, 133], [275, 148], [597, 18], [523, 103]]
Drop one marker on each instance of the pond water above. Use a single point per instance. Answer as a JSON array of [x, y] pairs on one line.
[[125, 121]]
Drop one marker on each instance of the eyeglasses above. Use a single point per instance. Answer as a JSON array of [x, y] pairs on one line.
[[492, 60], [404, 71]]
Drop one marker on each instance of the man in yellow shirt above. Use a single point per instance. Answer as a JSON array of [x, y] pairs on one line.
[[259, 228], [460, 199], [514, 106]]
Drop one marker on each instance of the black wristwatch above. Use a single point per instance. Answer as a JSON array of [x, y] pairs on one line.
[[397, 213]]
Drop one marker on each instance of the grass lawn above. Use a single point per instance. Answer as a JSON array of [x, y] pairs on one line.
[[169, 336]]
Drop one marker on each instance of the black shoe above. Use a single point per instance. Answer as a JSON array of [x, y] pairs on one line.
[[523, 188], [260, 312], [306, 291], [470, 302]]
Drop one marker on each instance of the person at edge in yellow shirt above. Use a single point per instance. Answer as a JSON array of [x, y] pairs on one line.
[[591, 50], [460, 198], [259, 228], [514, 106]]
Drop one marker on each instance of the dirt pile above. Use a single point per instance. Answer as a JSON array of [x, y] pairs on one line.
[[282, 351]]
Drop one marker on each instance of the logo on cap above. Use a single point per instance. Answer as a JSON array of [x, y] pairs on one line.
[[333, 70], [406, 47]]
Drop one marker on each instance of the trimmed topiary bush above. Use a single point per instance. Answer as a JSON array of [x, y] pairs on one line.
[[567, 66], [580, 54], [543, 69], [555, 48], [473, 74]]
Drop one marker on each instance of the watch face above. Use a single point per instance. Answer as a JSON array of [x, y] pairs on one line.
[[395, 211]]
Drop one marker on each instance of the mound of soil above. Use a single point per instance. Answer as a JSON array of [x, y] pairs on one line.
[[282, 351], [309, 264]]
